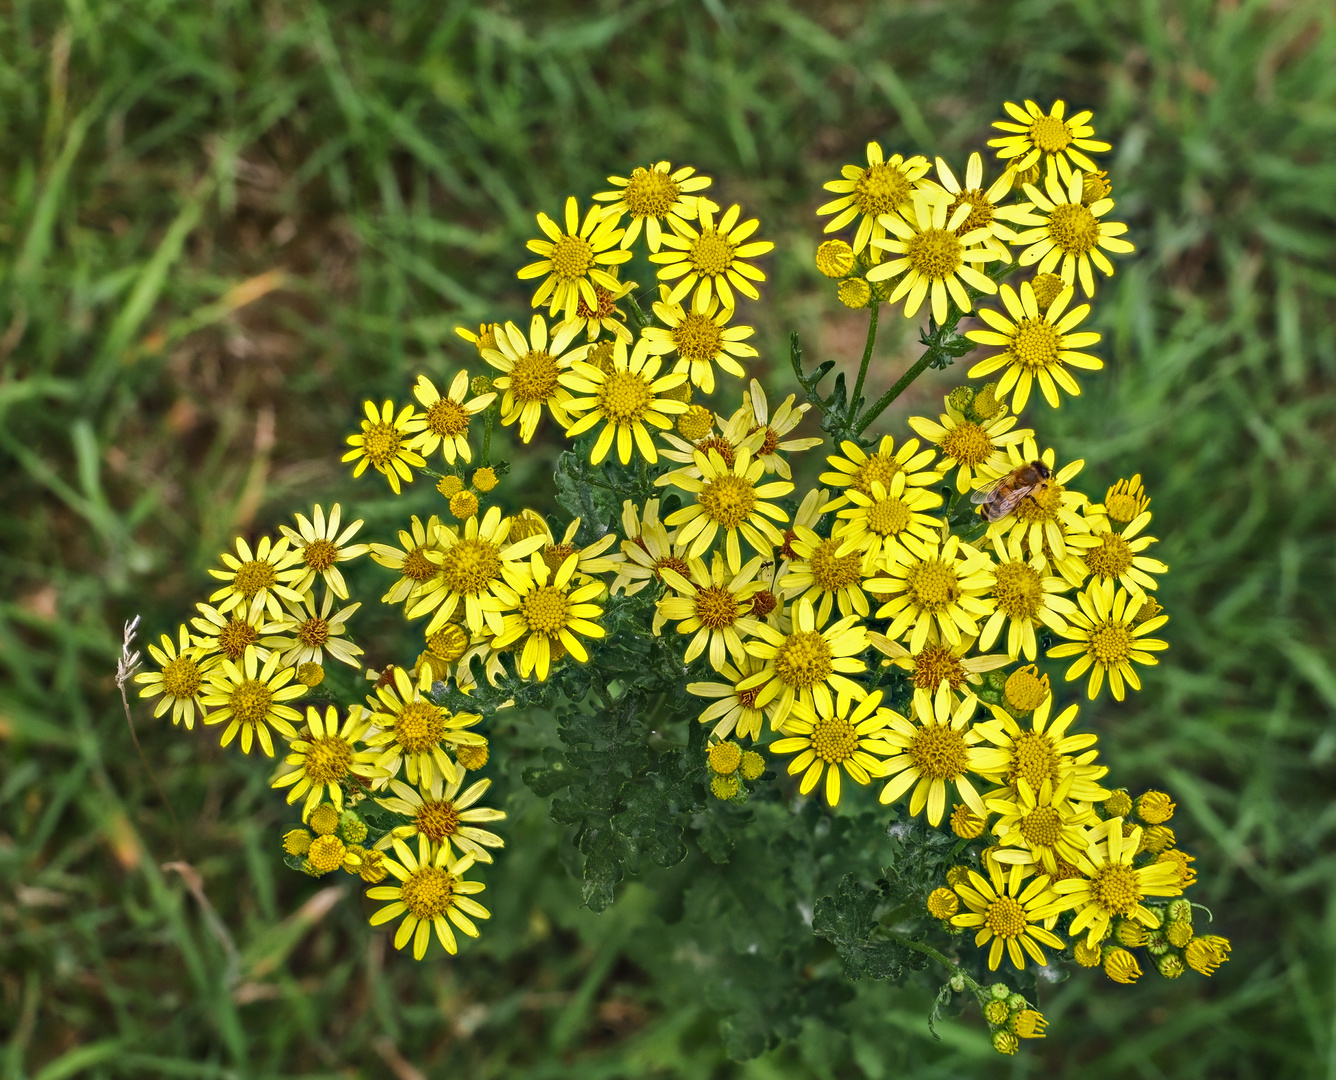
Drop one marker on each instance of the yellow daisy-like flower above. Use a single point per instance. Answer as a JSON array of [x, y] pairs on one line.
[[727, 498], [228, 634], [478, 569], [833, 740], [1110, 886], [735, 710], [574, 261], [934, 749], [876, 523], [824, 574], [590, 562], [1048, 515], [432, 893], [714, 259], [1035, 346], [446, 420], [305, 634], [249, 698], [858, 469], [485, 338], [444, 816], [942, 585], [1124, 502], [253, 578], [550, 611], [1106, 640], [179, 680], [714, 605], [320, 547], [935, 261], [1025, 597], [701, 337], [1053, 136], [326, 756], [936, 663], [625, 399], [648, 195], [883, 187], [986, 211], [386, 444], [807, 664], [532, 371], [970, 446], [1041, 753], [416, 570], [1008, 916], [605, 315], [1042, 825], [1068, 235], [766, 433], [1119, 554], [649, 547], [414, 732]]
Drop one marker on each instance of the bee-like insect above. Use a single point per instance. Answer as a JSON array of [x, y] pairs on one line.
[[999, 498]]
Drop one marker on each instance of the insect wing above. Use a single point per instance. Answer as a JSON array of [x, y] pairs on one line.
[[998, 508], [982, 494]]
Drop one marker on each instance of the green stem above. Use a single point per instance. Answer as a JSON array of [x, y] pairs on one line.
[[895, 391], [867, 356], [487, 436], [940, 957]]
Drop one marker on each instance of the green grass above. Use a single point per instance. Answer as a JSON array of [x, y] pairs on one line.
[[387, 160]]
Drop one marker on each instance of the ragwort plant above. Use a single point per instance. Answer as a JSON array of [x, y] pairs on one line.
[[884, 630]]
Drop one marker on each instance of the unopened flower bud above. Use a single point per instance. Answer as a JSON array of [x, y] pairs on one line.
[[1119, 804], [835, 259], [449, 485], [960, 398], [1121, 966], [1157, 838], [854, 292], [296, 841], [1005, 1042], [1046, 288], [1087, 955], [942, 903], [1155, 808], [724, 787], [352, 828], [472, 756], [324, 820], [1179, 909], [1095, 186], [965, 823], [996, 1013], [1030, 1024], [463, 505], [1025, 689], [1178, 933], [1170, 965], [999, 991], [310, 674], [696, 423], [484, 479], [725, 757], [753, 765], [1129, 932]]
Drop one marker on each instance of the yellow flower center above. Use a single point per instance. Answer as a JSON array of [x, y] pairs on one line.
[[328, 760], [804, 659], [716, 608], [1115, 889], [235, 636], [320, 555], [1025, 689], [605, 305], [437, 819], [545, 610], [310, 674], [447, 418], [1042, 826], [763, 603], [470, 566], [314, 632], [942, 903], [1035, 344], [886, 517], [1122, 507], [939, 752], [1005, 917], [624, 397], [572, 256], [831, 572], [725, 757], [1050, 134], [1033, 760], [448, 644], [1111, 643], [981, 210], [554, 555], [417, 567], [697, 337], [650, 193], [419, 727], [710, 254], [769, 444], [1046, 288], [881, 189], [253, 576], [326, 853], [935, 663], [834, 739], [695, 424], [1073, 228], [671, 562], [380, 443], [967, 443], [834, 258], [728, 500], [879, 468], [534, 376], [934, 253], [429, 891], [472, 756], [181, 677], [463, 505], [251, 700], [1112, 558], [932, 585], [1042, 504], [1019, 591]]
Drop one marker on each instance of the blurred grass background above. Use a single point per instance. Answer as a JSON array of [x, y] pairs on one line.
[[223, 223]]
